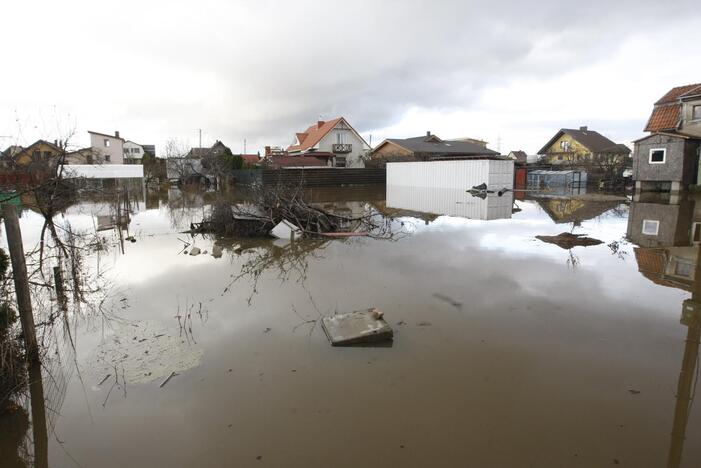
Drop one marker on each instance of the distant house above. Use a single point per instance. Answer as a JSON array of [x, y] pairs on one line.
[[109, 147], [428, 148], [668, 158], [133, 152], [520, 157], [217, 149], [334, 141], [85, 156], [581, 147], [7, 157], [39, 155]]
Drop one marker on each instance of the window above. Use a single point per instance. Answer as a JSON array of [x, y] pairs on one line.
[[136, 150], [696, 113], [696, 233], [651, 227], [47, 155], [107, 143], [340, 161], [89, 158], [107, 158], [36, 155], [683, 267], [658, 155], [340, 138], [565, 145], [559, 157]]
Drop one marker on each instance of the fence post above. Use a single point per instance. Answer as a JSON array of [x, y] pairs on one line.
[[19, 273]]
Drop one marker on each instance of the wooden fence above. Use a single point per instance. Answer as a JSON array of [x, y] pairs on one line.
[[318, 177]]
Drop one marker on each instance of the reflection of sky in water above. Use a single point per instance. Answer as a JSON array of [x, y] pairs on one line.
[[568, 341]]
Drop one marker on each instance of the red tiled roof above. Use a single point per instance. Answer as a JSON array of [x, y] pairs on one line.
[[664, 118], [313, 134], [250, 158], [680, 91]]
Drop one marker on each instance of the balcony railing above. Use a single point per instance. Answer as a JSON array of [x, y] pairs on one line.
[[342, 147]]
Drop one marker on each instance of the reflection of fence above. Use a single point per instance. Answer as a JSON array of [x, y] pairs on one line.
[[549, 179], [324, 176]]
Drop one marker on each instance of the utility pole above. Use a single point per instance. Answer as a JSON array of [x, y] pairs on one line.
[[244, 146], [200, 138], [19, 274]]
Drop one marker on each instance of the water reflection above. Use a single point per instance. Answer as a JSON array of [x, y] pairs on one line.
[[431, 202], [666, 230]]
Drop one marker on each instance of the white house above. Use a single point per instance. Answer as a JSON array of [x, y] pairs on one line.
[[133, 152], [335, 140], [110, 147]]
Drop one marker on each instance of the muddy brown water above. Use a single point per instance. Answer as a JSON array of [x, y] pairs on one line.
[[508, 352]]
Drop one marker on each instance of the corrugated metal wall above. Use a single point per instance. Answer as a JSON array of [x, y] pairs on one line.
[[449, 202], [452, 174]]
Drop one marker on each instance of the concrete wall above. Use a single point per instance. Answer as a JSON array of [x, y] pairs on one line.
[[679, 166], [114, 153], [359, 147]]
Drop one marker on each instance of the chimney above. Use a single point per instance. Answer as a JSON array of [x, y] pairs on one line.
[[116, 134], [428, 133], [320, 123], [55, 142], [267, 151], [583, 129]]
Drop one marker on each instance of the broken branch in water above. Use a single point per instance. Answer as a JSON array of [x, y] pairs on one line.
[[172, 374]]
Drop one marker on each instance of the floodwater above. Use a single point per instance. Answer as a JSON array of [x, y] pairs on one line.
[[508, 351]]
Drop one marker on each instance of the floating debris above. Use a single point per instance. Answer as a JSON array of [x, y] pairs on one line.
[[144, 351], [195, 251], [567, 240], [362, 326]]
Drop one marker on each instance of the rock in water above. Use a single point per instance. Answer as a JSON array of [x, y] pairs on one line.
[[195, 251]]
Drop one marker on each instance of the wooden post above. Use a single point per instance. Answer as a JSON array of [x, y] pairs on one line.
[[19, 273]]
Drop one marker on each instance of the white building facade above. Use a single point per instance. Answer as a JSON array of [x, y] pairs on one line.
[[109, 147]]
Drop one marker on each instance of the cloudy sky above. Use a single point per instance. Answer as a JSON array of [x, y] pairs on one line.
[[511, 72]]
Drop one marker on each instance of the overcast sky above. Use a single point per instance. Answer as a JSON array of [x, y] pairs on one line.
[[510, 72]]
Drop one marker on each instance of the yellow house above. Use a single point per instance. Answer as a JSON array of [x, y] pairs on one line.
[[38, 153], [571, 146]]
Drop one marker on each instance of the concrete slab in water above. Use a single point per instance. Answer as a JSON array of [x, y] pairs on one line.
[[362, 326]]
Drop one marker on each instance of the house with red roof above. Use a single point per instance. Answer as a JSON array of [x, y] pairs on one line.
[[330, 143], [668, 158]]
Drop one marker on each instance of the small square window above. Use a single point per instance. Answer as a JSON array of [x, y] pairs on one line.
[[107, 143], [107, 158], [651, 227], [683, 268], [696, 112], [658, 155]]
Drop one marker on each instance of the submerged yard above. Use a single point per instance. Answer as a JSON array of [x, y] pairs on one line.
[[507, 350]]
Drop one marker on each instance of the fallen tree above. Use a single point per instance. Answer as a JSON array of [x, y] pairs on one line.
[[270, 205]]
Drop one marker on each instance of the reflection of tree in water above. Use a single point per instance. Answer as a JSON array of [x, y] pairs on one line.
[[289, 262]]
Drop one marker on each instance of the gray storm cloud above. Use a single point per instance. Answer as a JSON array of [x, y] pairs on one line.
[[265, 69]]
